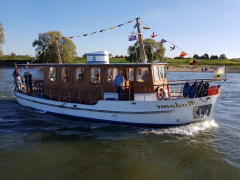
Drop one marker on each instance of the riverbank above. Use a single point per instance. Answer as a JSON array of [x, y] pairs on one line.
[[193, 69]]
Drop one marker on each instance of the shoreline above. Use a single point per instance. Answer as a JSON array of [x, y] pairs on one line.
[[188, 69]]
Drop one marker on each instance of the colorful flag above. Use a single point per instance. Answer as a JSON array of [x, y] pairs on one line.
[[172, 48], [220, 70], [70, 37], [112, 28], [132, 38], [163, 41], [93, 33], [183, 54], [119, 25], [136, 25], [102, 30], [154, 35], [146, 28], [85, 34], [193, 61]]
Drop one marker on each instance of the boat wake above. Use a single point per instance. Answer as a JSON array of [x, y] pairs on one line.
[[188, 130]]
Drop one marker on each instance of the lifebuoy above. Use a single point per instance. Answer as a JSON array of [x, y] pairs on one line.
[[160, 93]]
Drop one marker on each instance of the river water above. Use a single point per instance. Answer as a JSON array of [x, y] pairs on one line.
[[37, 145]]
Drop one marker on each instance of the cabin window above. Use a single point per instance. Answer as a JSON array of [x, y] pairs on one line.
[[95, 75], [162, 72], [142, 74], [131, 74], [65, 74], [156, 73], [52, 74], [80, 75], [112, 73]]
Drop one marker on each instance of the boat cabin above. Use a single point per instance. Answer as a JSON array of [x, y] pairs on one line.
[[89, 83]]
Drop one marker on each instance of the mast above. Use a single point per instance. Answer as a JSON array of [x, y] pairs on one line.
[[58, 52], [140, 40]]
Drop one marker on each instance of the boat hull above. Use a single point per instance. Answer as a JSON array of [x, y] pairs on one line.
[[141, 113]]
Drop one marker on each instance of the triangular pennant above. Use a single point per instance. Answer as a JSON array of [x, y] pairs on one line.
[[119, 25], [183, 54], [153, 35], [146, 28], [193, 61], [102, 30], [112, 28], [172, 48], [163, 41], [136, 25]]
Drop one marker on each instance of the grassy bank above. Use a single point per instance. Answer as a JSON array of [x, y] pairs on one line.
[[181, 62], [209, 63], [205, 63]]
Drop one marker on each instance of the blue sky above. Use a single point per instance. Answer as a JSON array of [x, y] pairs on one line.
[[195, 26]]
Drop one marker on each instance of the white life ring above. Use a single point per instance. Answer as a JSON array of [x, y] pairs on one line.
[[160, 93]]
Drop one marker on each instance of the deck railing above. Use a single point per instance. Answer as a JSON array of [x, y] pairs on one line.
[[172, 89]]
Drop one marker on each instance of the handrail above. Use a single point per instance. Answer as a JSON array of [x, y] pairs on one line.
[[173, 89]]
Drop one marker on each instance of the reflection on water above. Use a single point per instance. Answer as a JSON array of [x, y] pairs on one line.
[[37, 145]]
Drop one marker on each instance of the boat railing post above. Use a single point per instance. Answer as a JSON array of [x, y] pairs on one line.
[[102, 94], [145, 93], [90, 98], [129, 93], [69, 96], [79, 95], [181, 90], [59, 96]]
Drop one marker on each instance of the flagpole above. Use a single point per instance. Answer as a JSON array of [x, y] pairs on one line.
[[58, 52], [142, 50]]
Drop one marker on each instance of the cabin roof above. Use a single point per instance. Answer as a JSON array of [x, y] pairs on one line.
[[94, 64]]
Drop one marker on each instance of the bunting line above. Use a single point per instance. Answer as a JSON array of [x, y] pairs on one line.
[[111, 28], [165, 39]]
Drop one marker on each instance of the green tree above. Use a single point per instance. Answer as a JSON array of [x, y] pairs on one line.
[[196, 56], [47, 44], [222, 56], [1, 38], [153, 49], [214, 57]]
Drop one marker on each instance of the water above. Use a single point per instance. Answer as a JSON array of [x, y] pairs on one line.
[[37, 145]]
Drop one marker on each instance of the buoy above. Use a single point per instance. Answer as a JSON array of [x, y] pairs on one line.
[[213, 90]]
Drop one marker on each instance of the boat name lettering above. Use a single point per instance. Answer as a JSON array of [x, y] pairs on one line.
[[176, 105]]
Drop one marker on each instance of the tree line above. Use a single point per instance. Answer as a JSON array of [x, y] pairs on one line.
[[206, 56]]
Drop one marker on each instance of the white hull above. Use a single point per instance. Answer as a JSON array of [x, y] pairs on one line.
[[144, 113]]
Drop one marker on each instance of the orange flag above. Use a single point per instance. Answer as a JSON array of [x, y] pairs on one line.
[[183, 54]]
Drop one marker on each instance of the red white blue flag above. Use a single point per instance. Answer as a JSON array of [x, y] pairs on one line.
[[132, 38], [163, 41]]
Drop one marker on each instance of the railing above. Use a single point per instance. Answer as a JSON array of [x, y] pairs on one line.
[[172, 90]]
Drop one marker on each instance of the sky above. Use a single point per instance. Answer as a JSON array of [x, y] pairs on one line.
[[193, 26]]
